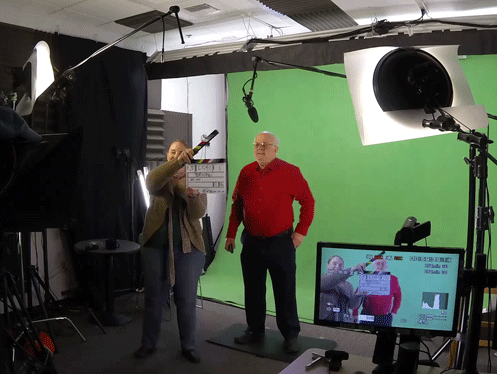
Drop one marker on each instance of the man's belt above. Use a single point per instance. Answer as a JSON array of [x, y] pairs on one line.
[[281, 234]]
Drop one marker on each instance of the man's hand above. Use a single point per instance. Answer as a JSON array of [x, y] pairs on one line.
[[230, 244], [297, 239]]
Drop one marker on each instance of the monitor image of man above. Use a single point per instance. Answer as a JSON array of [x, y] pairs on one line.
[[337, 297], [379, 308]]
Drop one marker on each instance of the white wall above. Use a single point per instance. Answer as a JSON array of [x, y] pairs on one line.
[[204, 97]]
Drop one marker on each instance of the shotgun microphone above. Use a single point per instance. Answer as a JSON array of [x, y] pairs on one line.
[[247, 98]]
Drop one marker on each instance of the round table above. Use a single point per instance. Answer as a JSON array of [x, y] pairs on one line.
[[108, 317]]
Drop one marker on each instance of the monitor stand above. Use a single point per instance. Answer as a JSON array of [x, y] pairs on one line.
[[383, 352], [407, 356]]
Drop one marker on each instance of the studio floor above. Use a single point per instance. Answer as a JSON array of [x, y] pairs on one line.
[[112, 352]]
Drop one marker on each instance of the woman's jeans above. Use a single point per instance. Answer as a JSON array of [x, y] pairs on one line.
[[188, 268]]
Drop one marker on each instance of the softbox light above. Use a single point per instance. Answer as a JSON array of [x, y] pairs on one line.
[[393, 89], [39, 76]]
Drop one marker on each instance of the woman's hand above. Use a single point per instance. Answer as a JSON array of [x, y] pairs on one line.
[[360, 268], [191, 193], [185, 157]]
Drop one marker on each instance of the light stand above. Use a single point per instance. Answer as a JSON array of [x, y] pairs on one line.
[[463, 317], [480, 277]]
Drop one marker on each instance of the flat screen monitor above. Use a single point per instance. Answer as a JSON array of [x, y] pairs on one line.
[[407, 290]]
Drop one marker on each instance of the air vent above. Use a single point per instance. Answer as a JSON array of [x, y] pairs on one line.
[[316, 15], [138, 20], [202, 7]]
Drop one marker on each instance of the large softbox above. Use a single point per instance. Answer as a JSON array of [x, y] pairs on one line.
[[394, 89]]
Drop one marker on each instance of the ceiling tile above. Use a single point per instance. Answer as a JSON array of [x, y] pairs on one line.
[[109, 10]]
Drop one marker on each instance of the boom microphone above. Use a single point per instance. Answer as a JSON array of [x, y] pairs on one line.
[[247, 98], [252, 112]]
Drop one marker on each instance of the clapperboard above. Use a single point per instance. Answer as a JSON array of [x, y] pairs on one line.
[[207, 175]]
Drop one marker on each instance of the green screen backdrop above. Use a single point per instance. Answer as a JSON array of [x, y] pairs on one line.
[[363, 194]]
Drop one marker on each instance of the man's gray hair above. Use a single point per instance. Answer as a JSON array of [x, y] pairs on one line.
[[276, 140]]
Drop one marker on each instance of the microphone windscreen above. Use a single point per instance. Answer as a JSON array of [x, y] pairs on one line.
[[253, 114]]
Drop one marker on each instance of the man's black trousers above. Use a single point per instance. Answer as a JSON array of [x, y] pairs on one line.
[[275, 254]]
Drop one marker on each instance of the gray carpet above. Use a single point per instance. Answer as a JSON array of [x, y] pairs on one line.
[[271, 346], [112, 353]]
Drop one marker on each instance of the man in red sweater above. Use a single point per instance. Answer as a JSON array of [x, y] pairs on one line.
[[263, 200], [382, 308]]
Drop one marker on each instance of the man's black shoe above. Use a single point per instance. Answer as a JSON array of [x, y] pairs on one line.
[[191, 355], [249, 337], [143, 352], [292, 345]]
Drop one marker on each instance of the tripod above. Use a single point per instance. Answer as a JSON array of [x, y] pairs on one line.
[[33, 280]]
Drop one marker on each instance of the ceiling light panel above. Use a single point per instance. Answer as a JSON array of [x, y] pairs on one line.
[[109, 9], [138, 20], [59, 4]]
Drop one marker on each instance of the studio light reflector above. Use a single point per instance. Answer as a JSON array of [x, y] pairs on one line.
[[39, 73], [393, 89]]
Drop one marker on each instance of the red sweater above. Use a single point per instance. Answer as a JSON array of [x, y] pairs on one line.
[[379, 305], [263, 199]]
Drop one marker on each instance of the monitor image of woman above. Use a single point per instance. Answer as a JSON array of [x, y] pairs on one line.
[[337, 295]]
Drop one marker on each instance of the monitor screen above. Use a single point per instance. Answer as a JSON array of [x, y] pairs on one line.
[[403, 289]]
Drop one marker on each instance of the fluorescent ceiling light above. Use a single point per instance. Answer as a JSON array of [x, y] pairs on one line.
[[434, 15]]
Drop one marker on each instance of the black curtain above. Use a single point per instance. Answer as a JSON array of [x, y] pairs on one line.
[[105, 112], [85, 183], [109, 101]]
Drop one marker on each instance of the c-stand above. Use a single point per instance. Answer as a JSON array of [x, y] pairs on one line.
[[479, 277]]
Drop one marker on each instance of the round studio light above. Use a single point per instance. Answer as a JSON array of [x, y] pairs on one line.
[[411, 79]]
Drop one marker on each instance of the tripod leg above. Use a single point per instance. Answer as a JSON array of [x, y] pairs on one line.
[[97, 321], [44, 285], [35, 280], [441, 349], [22, 315]]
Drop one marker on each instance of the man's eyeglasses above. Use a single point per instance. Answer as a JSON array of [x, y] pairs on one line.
[[262, 145]]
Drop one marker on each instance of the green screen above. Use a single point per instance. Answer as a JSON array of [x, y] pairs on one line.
[[363, 193]]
